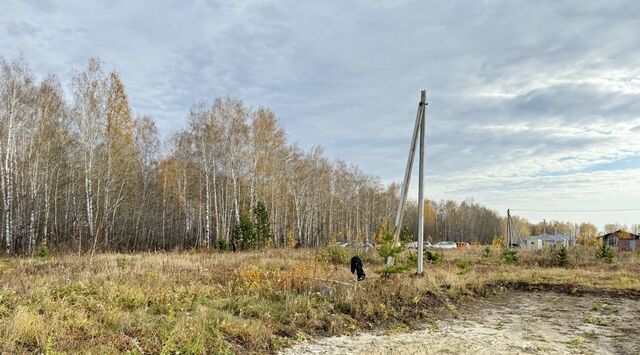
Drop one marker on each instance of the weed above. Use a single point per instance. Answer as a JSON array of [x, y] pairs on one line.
[[464, 265], [452, 308], [590, 334], [595, 320], [542, 348], [256, 301], [575, 342], [604, 307], [433, 327], [433, 257], [125, 262]]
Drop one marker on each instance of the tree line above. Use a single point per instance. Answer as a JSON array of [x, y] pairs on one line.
[[85, 174], [88, 175]]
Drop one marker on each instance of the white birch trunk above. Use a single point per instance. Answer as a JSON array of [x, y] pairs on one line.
[[89, 199], [8, 189], [164, 208], [235, 195]]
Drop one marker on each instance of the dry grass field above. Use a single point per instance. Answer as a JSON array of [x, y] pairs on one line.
[[262, 301]]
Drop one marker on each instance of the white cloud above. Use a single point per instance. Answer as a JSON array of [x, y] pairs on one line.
[[524, 96]]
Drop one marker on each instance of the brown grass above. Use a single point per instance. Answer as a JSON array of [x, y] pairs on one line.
[[253, 301]]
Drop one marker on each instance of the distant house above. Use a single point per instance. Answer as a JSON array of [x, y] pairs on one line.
[[545, 240], [622, 239]]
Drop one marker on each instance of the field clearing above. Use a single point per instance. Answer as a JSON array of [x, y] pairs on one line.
[[514, 322], [263, 301]]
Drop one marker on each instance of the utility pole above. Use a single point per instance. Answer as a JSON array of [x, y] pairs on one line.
[[418, 129], [423, 104], [508, 229]]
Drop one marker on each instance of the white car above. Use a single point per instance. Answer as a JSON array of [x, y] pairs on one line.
[[445, 245], [414, 245], [342, 244]]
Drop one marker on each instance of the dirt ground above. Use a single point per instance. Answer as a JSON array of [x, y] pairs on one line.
[[513, 323]]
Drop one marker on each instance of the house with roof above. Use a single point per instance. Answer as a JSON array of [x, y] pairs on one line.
[[540, 241], [622, 239]]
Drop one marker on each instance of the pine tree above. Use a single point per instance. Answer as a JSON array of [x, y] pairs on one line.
[[246, 231], [389, 248], [563, 255], [605, 253], [262, 230]]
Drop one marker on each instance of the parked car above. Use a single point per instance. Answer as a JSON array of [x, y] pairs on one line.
[[445, 245], [463, 245], [414, 245], [342, 244]]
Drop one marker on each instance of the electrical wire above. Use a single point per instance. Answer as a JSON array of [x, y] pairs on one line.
[[602, 210]]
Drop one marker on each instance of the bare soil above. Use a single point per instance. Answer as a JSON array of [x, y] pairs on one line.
[[511, 323]]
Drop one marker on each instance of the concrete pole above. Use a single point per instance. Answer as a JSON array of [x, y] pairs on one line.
[[508, 229], [423, 103], [407, 180]]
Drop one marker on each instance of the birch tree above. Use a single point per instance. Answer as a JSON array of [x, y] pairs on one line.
[[89, 121], [120, 185], [16, 90]]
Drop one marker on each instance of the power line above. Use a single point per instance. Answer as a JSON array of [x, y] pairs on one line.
[[604, 210]]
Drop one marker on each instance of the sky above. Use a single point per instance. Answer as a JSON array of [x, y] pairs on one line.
[[533, 105]]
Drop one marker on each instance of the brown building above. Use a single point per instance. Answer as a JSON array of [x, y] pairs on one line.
[[623, 239]]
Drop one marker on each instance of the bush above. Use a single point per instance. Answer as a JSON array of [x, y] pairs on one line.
[[605, 253], [487, 252], [433, 257], [510, 256], [223, 245], [42, 251], [290, 241], [413, 259], [589, 241], [563, 256], [499, 241], [334, 255]]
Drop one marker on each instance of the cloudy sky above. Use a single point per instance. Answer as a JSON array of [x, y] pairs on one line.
[[532, 104]]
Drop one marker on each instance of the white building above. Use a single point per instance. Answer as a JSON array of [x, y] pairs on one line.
[[537, 242]]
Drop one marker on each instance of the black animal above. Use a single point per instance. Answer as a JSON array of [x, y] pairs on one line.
[[356, 267]]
